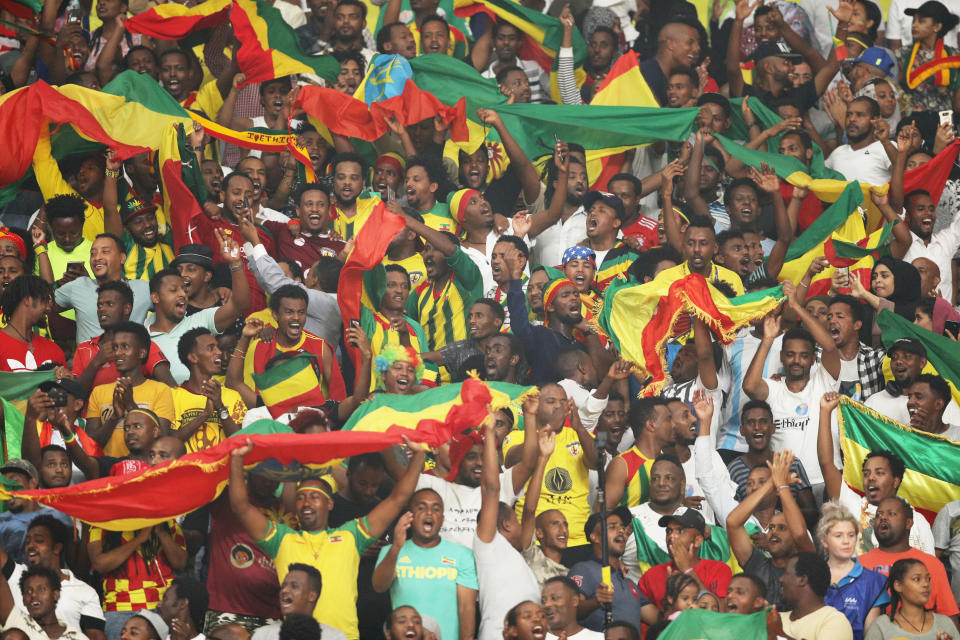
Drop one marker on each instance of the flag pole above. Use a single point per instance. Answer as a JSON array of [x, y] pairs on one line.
[[601, 444]]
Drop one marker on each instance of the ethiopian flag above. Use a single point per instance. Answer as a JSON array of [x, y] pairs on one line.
[[17, 387], [172, 21], [703, 624], [640, 318], [291, 384], [181, 183], [170, 490], [716, 546], [942, 356], [270, 48], [932, 478]]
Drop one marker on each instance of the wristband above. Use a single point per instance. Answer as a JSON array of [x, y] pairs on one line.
[[71, 439], [40, 249], [782, 487], [293, 223], [198, 149], [236, 267], [688, 571], [112, 173], [239, 352]]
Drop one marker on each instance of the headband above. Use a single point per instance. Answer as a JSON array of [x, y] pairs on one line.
[[579, 252], [458, 202], [858, 40], [314, 488], [148, 413], [17, 240], [393, 159]]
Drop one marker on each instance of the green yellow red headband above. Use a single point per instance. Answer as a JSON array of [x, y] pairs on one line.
[[458, 202]]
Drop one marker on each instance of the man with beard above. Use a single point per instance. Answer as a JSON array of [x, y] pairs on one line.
[[237, 198], [501, 275], [93, 360], [805, 582], [732, 253], [14, 522], [256, 170], [503, 359], [939, 247], [785, 535], [484, 321], [148, 250], [560, 596], [46, 540], [338, 553], [869, 153], [306, 237], [365, 474], [622, 593], [351, 213], [882, 476], [436, 576], [908, 357], [569, 182], [698, 245], [421, 182], [349, 33], [299, 593], [794, 397], [892, 524], [539, 279]]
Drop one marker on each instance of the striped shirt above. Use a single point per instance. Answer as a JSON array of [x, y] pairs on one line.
[[377, 328], [350, 227], [637, 488], [441, 307], [142, 262]]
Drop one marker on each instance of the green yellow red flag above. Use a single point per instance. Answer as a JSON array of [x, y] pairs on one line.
[[291, 384], [172, 20]]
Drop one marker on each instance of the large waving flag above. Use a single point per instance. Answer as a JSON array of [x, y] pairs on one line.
[[640, 318], [269, 47], [943, 358], [291, 384], [181, 183], [704, 624], [172, 21], [932, 478], [386, 77], [151, 496], [15, 388], [354, 118], [715, 547]]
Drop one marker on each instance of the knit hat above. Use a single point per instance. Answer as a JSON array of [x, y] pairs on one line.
[[5, 233], [458, 202]]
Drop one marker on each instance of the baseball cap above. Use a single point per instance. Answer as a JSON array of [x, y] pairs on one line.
[[775, 50], [20, 465], [910, 345], [578, 252], [69, 385], [155, 621], [199, 254], [936, 10], [134, 207], [609, 199], [688, 518], [625, 516], [879, 58]]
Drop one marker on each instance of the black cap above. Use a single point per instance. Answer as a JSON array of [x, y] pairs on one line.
[[609, 199], [775, 50], [936, 10], [910, 345], [717, 99], [625, 516], [69, 385], [134, 207], [688, 518], [199, 254]]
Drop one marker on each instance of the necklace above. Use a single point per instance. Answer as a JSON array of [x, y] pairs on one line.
[[23, 337], [923, 621]]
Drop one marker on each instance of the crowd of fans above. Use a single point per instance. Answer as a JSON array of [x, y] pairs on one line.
[[724, 491]]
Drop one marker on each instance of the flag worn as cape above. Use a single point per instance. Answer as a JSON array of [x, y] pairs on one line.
[[932, 478], [703, 624], [270, 48], [291, 384], [172, 21], [169, 490], [386, 77], [351, 117], [181, 183], [640, 318], [714, 547], [943, 358]]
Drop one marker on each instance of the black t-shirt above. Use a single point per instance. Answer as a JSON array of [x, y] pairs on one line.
[[760, 566], [804, 96], [656, 79]]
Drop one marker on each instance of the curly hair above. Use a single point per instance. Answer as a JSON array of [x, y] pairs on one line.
[[833, 513], [391, 353]]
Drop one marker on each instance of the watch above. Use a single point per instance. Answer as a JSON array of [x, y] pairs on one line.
[[224, 414]]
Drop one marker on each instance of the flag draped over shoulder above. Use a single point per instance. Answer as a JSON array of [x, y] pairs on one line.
[[932, 478], [656, 306], [172, 21], [942, 355], [181, 183], [151, 496], [291, 384], [353, 118], [715, 547], [436, 404], [270, 48], [15, 388], [703, 624]]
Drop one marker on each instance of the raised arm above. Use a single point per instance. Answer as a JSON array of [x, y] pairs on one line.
[[111, 200], [908, 141], [770, 183], [547, 218], [523, 168], [390, 507], [546, 442], [753, 383], [718, 489], [671, 221], [823, 76], [743, 10], [587, 443], [240, 299], [234, 379], [529, 452], [691, 185], [436, 238], [740, 542], [489, 486], [706, 365], [386, 569], [902, 239], [781, 478], [830, 355], [566, 80], [832, 476], [361, 388], [252, 518]]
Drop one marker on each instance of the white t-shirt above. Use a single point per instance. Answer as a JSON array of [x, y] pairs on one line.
[[796, 418], [272, 630], [869, 165], [896, 408], [739, 354], [921, 536], [650, 520], [583, 634], [943, 245], [505, 581], [946, 536], [558, 237], [77, 598], [461, 504], [20, 620]]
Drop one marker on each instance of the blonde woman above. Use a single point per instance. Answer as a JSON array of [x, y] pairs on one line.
[[855, 591]]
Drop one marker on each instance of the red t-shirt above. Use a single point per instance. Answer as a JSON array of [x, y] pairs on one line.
[[304, 249], [810, 207], [202, 231], [714, 575], [941, 597], [645, 229], [15, 356], [86, 351]]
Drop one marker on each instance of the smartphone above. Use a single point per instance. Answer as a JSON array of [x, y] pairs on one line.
[[946, 117], [77, 267], [58, 395], [356, 324], [952, 327]]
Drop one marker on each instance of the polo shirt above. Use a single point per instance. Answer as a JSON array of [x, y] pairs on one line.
[[856, 593], [167, 341], [336, 554], [941, 598], [627, 598], [714, 575], [81, 295]]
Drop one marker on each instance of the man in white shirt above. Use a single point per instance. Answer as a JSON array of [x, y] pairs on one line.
[[927, 399], [940, 247], [572, 226], [506, 42], [41, 586], [795, 397], [560, 596], [183, 607], [870, 153], [908, 357]]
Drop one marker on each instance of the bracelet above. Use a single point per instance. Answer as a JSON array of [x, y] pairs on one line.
[[804, 284], [112, 173], [235, 356], [236, 267], [239, 352], [40, 249], [198, 149], [71, 439], [782, 487]]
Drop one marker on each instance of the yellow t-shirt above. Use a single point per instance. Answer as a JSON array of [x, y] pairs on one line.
[[150, 394], [414, 266], [717, 274], [188, 405], [350, 227], [566, 482]]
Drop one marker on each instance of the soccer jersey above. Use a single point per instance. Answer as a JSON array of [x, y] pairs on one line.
[[414, 266], [438, 217], [336, 554], [259, 353], [349, 227], [377, 328], [566, 482], [149, 394], [441, 307], [637, 488], [188, 405], [142, 262]]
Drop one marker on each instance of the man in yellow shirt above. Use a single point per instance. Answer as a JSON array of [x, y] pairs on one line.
[[351, 210], [205, 412], [334, 552], [109, 402], [87, 182], [698, 248]]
